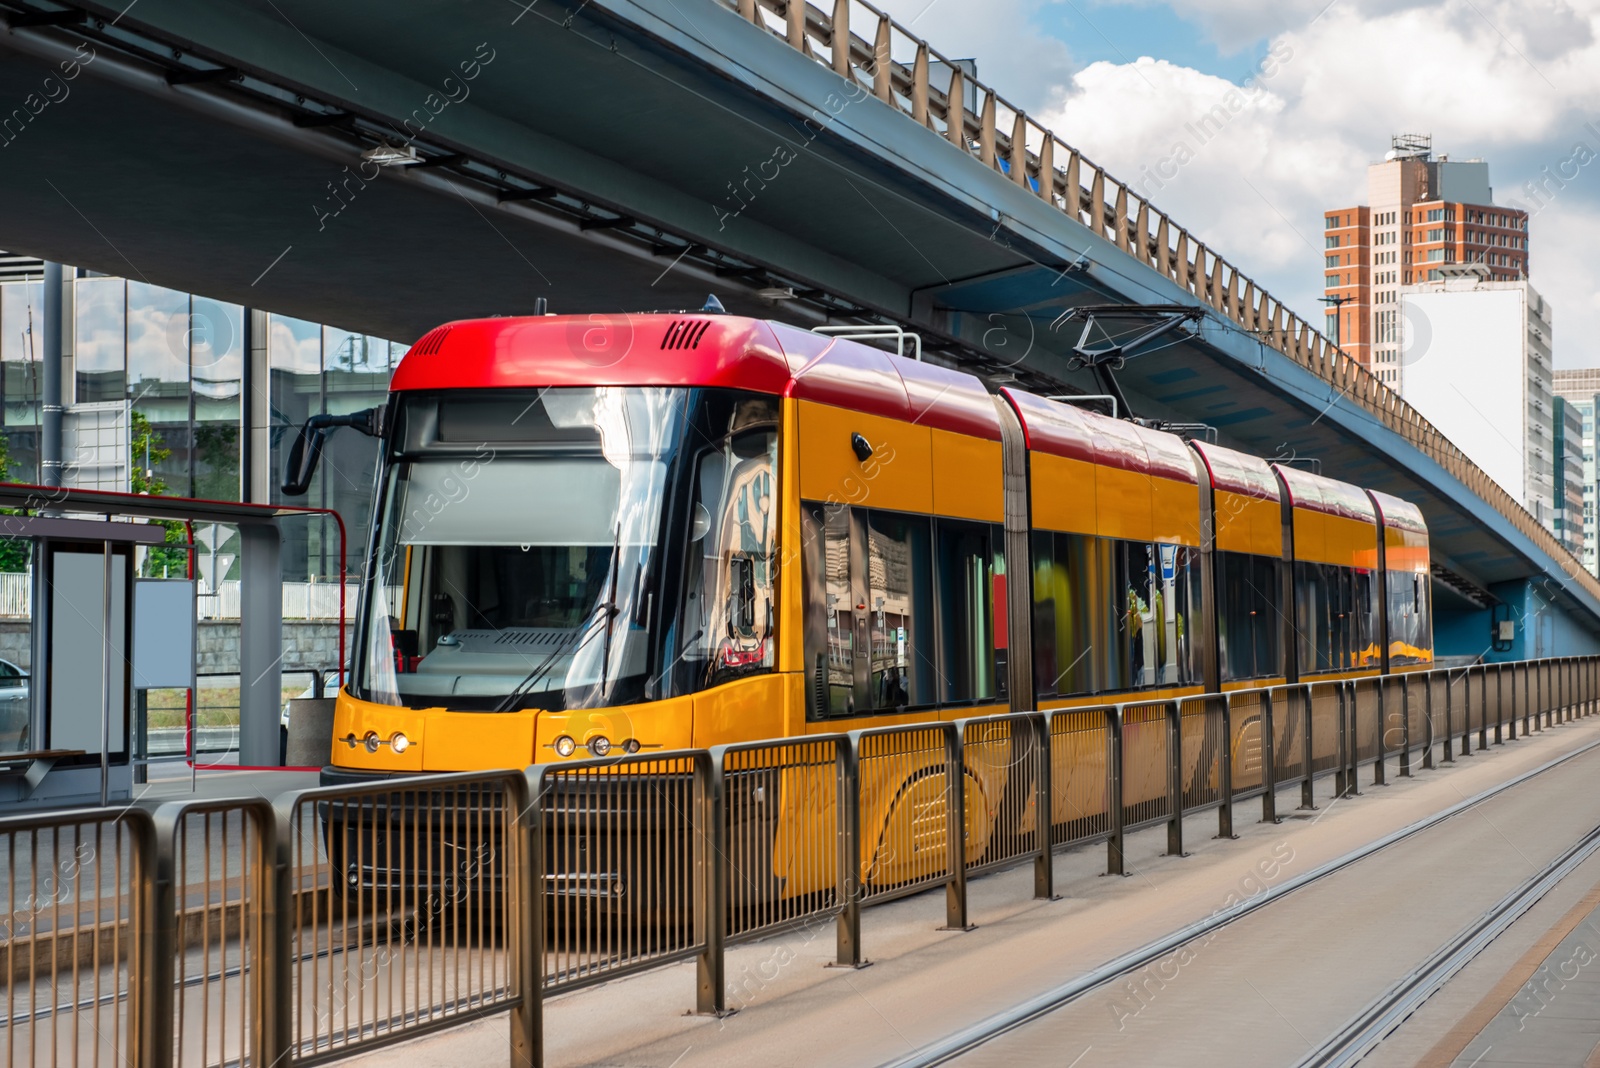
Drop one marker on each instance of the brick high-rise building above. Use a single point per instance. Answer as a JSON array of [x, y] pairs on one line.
[[1422, 214]]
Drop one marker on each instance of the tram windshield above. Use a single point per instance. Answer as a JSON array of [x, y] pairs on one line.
[[569, 548]]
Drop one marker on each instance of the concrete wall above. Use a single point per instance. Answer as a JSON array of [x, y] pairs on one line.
[[306, 645], [1542, 628]]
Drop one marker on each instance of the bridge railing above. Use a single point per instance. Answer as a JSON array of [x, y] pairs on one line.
[[877, 55], [340, 919]]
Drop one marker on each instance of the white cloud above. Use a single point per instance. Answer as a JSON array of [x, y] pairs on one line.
[[1000, 34], [1251, 170]]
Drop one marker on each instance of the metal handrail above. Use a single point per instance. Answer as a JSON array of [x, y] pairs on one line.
[[278, 888]]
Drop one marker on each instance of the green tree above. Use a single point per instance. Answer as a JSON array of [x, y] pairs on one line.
[[14, 552], [217, 467], [149, 448]]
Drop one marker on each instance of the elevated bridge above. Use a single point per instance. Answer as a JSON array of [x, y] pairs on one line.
[[391, 166]]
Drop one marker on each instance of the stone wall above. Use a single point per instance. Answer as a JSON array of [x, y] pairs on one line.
[[306, 645]]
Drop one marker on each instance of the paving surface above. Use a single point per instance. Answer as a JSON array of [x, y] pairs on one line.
[[1262, 991]]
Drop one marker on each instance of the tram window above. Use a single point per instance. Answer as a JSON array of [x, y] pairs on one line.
[[1317, 614], [1134, 634], [1335, 617], [1070, 581], [1249, 623], [1364, 608], [966, 609], [729, 608], [1176, 581], [900, 611], [829, 610], [1410, 623]]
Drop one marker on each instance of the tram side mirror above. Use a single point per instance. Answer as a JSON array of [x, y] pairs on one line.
[[304, 455], [306, 452]]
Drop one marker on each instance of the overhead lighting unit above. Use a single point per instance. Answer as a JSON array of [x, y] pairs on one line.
[[387, 155]]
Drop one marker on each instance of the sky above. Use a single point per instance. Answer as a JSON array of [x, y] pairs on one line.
[[1514, 82]]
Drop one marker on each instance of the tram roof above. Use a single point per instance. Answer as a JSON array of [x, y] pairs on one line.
[[693, 349], [1318, 493]]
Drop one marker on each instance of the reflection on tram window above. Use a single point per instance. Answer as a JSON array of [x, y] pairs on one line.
[[969, 568], [1249, 623], [1067, 643], [729, 603], [1155, 584], [870, 610], [1410, 618], [1335, 617], [900, 610], [1111, 616]]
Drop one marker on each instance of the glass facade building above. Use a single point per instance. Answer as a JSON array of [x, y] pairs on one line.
[[184, 365], [1579, 389]]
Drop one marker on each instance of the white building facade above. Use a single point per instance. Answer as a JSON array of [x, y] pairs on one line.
[[1476, 363]]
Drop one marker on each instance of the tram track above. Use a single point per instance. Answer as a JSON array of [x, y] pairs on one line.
[[1389, 1010], [1380, 1017]]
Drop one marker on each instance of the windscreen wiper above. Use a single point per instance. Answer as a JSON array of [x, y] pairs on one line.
[[569, 646]]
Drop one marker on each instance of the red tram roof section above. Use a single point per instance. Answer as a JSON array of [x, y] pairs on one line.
[[1399, 513], [693, 349], [1065, 430], [1318, 493], [1238, 472]]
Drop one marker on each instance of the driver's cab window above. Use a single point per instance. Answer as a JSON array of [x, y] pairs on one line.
[[729, 608]]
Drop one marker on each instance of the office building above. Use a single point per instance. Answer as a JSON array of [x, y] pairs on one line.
[[1479, 369], [222, 388], [1580, 390], [1566, 475], [1422, 216]]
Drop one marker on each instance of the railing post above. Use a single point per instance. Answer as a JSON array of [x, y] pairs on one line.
[[711, 889], [274, 875], [1044, 869], [1466, 711], [848, 949], [1428, 721], [1225, 771], [1449, 724], [1405, 726], [1530, 698], [955, 890], [1175, 780], [1269, 763], [1379, 772], [526, 903], [1308, 764], [1114, 857], [1341, 774], [1500, 707], [152, 938], [1483, 708]]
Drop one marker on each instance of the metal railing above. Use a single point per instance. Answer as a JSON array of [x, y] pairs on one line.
[[934, 91], [340, 919]]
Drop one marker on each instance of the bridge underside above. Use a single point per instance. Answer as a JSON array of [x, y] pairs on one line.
[[612, 156]]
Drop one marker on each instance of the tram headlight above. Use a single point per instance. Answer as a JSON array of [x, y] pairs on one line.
[[565, 746], [599, 745], [631, 745], [399, 743], [372, 741]]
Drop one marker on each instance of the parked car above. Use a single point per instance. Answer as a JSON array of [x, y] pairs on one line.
[[331, 681], [14, 708]]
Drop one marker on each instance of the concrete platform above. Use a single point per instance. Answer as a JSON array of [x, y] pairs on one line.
[[928, 983]]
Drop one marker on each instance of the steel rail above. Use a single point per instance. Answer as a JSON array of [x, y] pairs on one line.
[[976, 1035], [1390, 1009]]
